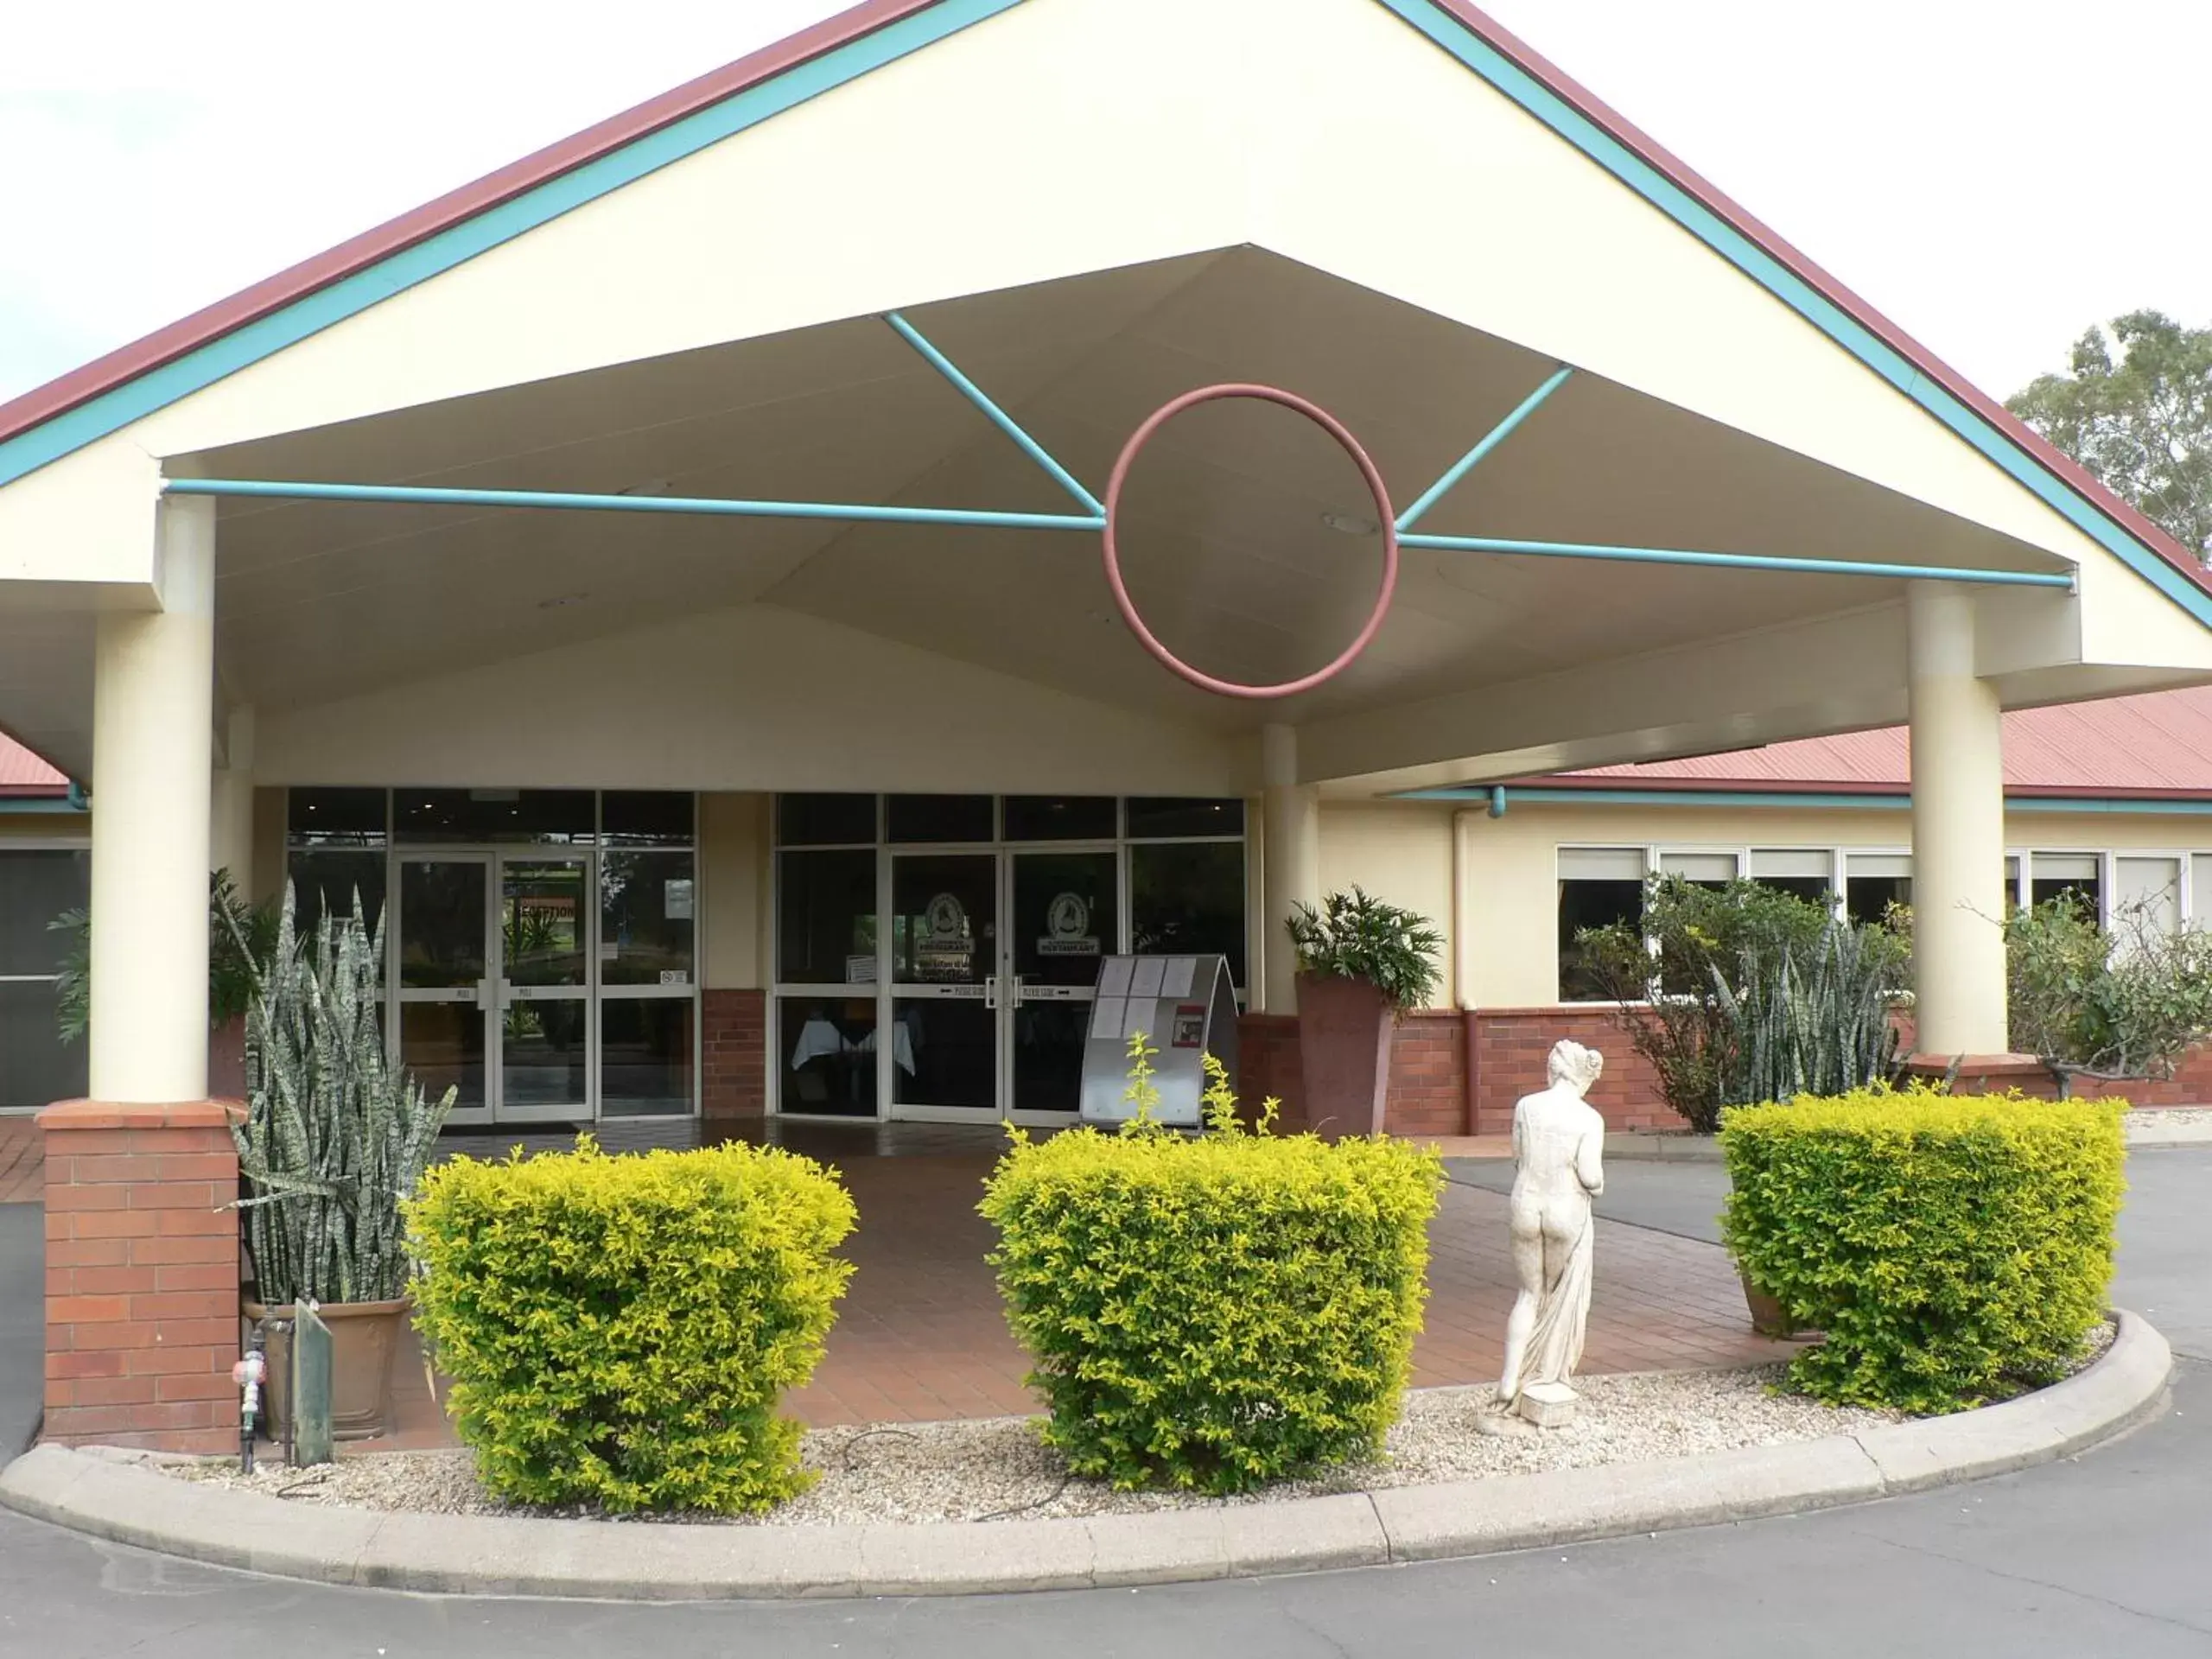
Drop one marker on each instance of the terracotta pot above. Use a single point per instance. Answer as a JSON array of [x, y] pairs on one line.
[[364, 1336], [1769, 1317], [1344, 1052]]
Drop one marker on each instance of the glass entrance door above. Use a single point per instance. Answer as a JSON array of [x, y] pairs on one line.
[[1064, 907], [545, 920], [445, 990], [942, 1032]]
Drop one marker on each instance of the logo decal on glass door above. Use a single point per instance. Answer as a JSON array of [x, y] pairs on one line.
[[1067, 929], [944, 948]]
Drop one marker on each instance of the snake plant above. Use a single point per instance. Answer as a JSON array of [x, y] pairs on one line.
[[334, 1138]]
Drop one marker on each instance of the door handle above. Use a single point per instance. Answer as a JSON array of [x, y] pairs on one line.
[[990, 990]]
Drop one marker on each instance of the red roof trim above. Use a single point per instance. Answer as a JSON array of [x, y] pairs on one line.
[[104, 374], [166, 345]]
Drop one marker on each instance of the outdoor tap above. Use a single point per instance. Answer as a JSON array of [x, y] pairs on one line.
[[248, 1374]]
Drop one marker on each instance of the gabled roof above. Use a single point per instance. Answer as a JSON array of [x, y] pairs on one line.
[[1924, 377], [23, 775], [2159, 745]]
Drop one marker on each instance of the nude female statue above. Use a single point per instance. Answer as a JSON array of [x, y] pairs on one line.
[[1558, 1142]]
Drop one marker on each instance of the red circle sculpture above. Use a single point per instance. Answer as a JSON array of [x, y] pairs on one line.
[[1335, 428]]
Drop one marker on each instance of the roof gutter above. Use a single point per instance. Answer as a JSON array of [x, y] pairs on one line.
[[1499, 796]]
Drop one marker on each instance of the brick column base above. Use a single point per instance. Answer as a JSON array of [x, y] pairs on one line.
[[142, 1275], [734, 1085]]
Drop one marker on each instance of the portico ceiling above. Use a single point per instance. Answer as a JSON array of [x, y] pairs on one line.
[[1231, 553], [1092, 206]]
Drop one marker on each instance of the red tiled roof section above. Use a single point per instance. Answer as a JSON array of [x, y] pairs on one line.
[[83, 384], [22, 772], [2155, 745]]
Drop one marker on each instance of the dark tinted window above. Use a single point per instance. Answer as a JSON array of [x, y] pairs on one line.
[[1585, 903], [824, 820], [1162, 815], [645, 817], [1059, 817], [825, 917], [1188, 898], [535, 814], [339, 817], [940, 817]]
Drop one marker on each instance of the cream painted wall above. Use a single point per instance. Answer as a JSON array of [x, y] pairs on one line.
[[69, 828], [88, 518], [749, 698], [1400, 851], [734, 842]]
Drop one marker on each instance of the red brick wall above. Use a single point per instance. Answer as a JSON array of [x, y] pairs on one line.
[[142, 1275], [733, 1040], [1428, 1079], [1510, 1050], [1429, 1075]]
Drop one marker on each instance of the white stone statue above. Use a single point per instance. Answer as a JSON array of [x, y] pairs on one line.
[[1559, 1142]]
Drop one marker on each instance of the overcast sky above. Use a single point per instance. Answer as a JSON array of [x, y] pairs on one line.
[[1995, 174]]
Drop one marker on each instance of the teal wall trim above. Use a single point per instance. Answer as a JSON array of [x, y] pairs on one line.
[[1455, 37], [158, 388], [1499, 797]]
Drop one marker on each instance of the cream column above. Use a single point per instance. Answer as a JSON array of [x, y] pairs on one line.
[[230, 836], [1958, 830], [1291, 853], [153, 694]]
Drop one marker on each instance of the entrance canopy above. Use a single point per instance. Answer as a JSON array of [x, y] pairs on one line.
[[811, 278]]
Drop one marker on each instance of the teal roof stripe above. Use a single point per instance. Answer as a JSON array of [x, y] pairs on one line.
[[1835, 800], [1604, 147]]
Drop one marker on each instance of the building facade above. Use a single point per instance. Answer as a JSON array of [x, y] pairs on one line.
[[756, 596]]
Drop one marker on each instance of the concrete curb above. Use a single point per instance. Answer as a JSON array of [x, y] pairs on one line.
[[1665, 1149], [497, 1555]]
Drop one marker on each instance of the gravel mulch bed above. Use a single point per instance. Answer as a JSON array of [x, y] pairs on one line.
[[996, 1468]]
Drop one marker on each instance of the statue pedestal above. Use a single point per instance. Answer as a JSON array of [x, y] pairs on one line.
[[1548, 1405]]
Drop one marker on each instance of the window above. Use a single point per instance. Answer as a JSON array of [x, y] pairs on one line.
[[1809, 874], [554, 816], [825, 917], [825, 820], [1874, 881], [2151, 885], [1059, 817], [1705, 869], [1598, 887], [335, 817], [2052, 876], [1188, 897], [37, 885], [1161, 818], [2200, 890], [938, 818]]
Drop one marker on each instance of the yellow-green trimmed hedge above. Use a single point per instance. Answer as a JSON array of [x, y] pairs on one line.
[[1953, 1249], [618, 1330], [1214, 1314]]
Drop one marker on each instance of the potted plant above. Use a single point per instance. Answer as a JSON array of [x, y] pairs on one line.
[[332, 1141], [1361, 964]]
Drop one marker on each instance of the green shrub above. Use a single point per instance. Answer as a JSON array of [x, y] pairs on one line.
[[1353, 935], [618, 1330], [1214, 1312], [1953, 1249]]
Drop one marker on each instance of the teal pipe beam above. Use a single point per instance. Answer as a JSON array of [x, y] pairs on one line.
[[1739, 560], [1005, 423], [295, 490], [1496, 436]]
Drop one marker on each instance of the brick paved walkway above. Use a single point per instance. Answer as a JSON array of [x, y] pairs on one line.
[[22, 1160], [921, 1334]]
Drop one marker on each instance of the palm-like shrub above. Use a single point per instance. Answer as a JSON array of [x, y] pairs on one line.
[[334, 1138], [1354, 936]]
